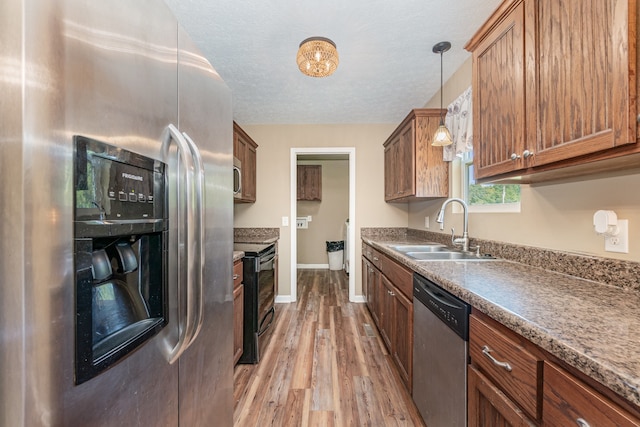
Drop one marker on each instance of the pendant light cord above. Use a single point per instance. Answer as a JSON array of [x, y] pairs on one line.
[[441, 89]]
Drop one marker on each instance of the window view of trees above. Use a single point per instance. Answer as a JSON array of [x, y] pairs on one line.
[[483, 194], [488, 194]]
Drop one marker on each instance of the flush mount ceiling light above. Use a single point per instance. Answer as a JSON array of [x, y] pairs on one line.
[[317, 57], [442, 136]]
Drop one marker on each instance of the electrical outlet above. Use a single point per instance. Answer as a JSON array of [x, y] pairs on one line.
[[619, 242], [426, 222]]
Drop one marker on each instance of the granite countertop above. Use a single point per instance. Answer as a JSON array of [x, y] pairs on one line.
[[256, 235], [591, 326], [237, 255]]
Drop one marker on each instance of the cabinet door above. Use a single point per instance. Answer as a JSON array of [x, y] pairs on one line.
[[581, 77], [402, 345], [238, 322], [405, 168], [499, 97], [568, 401], [488, 406], [309, 182], [391, 170], [249, 173], [365, 280], [387, 312], [373, 282]]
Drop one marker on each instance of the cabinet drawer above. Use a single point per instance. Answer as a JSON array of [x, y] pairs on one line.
[[237, 274], [401, 277], [507, 363], [372, 255], [567, 400]]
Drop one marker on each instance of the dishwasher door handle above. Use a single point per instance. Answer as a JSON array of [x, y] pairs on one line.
[[487, 352]]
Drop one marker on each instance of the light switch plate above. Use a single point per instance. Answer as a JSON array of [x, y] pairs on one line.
[[426, 222], [620, 242], [285, 221]]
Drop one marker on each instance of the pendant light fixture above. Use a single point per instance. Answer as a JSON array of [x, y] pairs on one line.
[[442, 136], [317, 57]]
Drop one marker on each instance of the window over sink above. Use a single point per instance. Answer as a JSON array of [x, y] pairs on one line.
[[486, 197]]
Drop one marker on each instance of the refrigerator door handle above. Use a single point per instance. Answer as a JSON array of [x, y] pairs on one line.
[[187, 322], [199, 185]]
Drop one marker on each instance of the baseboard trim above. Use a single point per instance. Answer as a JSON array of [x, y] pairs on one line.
[[283, 299], [312, 266]]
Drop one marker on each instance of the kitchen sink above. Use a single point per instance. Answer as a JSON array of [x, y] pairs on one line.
[[447, 255], [423, 247]]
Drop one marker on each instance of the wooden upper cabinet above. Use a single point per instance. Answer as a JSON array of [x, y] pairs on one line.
[[309, 185], [244, 149], [554, 86], [499, 96], [413, 168]]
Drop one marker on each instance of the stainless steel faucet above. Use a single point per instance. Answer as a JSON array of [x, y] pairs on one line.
[[464, 240]]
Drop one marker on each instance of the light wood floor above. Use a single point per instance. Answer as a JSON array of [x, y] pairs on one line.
[[324, 365]]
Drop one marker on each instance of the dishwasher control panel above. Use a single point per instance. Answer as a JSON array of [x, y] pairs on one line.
[[450, 309]]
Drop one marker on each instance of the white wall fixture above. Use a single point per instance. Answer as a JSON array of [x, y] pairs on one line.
[[614, 230], [285, 221], [302, 222]]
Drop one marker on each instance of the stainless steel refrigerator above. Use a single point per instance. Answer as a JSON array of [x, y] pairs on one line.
[[119, 72]]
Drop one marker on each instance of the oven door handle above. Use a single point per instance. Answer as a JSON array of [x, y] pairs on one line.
[[186, 237], [199, 203], [271, 258]]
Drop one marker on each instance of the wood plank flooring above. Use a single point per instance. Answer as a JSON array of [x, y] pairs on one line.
[[324, 365]]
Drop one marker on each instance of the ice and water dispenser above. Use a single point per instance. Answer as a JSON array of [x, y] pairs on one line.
[[120, 253]]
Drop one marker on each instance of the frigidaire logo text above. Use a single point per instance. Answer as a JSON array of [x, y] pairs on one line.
[[131, 176]]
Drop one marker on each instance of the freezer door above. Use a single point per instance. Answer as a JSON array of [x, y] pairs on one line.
[[120, 86], [206, 367], [106, 70]]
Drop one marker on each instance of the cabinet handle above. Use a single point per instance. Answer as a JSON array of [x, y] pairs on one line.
[[235, 276], [582, 423], [392, 293], [514, 157], [375, 258], [526, 154], [487, 352]]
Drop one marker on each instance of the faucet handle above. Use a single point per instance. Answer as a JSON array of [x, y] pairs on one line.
[[456, 242]]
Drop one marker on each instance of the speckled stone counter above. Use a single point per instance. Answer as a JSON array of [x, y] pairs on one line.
[[237, 255], [256, 235], [591, 326]]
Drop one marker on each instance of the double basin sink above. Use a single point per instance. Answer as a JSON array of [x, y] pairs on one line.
[[432, 251]]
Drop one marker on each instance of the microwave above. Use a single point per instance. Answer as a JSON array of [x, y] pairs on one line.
[[237, 178]]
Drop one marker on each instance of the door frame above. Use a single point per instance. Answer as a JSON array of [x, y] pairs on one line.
[[351, 153]]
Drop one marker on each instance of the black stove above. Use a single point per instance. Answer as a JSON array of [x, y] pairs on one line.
[[259, 269]]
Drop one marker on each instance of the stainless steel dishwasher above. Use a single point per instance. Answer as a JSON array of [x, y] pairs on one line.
[[440, 354]]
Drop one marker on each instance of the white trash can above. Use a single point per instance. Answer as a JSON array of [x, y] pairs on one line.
[[335, 260], [335, 250]]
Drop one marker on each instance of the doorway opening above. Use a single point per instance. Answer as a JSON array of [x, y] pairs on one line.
[[324, 153]]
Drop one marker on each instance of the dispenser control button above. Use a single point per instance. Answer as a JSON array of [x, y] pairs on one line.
[[133, 198], [141, 197], [122, 196], [150, 198], [112, 195]]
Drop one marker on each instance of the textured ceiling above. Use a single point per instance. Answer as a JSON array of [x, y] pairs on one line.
[[387, 66]]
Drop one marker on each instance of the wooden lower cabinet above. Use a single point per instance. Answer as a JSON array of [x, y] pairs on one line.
[[391, 309], [488, 406], [568, 402], [238, 311], [512, 382]]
